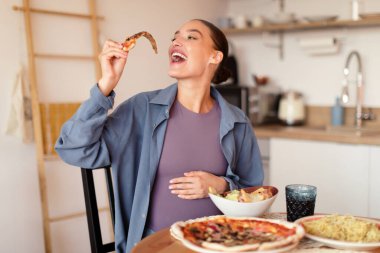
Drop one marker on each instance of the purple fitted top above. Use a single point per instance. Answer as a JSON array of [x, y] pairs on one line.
[[191, 143]]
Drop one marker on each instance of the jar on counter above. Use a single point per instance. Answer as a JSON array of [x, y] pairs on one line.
[[292, 108]]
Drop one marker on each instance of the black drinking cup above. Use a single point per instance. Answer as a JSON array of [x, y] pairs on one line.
[[300, 201]]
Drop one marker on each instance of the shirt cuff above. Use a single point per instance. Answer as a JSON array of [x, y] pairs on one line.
[[231, 183], [105, 102]]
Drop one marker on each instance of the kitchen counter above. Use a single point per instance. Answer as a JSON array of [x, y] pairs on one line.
[[316, 134]]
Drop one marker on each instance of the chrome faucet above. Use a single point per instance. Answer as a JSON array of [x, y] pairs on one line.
[[359, 115]]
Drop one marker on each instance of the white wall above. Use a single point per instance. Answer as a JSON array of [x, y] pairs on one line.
[[318, 77], [60, 81]]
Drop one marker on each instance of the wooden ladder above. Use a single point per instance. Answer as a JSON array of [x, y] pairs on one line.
[[48, 118]]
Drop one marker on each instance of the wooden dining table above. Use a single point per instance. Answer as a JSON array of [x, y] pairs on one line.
[[163, 242]]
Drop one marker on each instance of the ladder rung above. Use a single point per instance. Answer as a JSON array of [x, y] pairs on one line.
[[74, 215], [59, 13], [65, 56], [52, 157]]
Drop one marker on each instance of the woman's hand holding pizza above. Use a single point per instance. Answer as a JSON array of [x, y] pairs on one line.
[[195, 184], [112, 61]]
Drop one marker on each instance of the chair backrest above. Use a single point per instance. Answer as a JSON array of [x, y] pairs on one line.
[[92, 211]]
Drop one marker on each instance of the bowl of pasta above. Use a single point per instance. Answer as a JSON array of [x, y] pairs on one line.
[[245, 202]]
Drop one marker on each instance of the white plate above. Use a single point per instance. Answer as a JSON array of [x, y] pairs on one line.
[[322, 18], [340, 244], [175, 231], [281, 18]]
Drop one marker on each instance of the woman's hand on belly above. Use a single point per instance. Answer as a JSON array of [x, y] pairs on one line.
[[195, 184]]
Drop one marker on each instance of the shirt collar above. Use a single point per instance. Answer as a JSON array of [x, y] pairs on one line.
[[230, 115], [165, 96]]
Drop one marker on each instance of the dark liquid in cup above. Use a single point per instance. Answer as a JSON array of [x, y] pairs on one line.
[[298, 208]]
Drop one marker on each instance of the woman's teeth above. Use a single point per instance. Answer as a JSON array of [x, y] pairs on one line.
[[176, 57]]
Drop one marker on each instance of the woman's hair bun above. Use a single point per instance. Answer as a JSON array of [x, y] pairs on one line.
[[222, 74]]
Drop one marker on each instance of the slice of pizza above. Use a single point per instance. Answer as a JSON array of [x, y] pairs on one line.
[[226, 234], [130, 42]]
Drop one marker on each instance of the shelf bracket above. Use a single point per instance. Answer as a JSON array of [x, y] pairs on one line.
[[279, 45], [282, 5]]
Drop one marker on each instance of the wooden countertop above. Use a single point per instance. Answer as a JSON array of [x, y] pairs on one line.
[[317, 134]]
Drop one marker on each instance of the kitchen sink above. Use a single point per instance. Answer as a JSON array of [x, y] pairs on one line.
[[364, 131]]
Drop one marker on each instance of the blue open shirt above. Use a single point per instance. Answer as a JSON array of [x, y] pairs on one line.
[[131, 140]]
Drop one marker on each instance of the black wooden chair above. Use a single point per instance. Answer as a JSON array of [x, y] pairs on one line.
[[92, 211]]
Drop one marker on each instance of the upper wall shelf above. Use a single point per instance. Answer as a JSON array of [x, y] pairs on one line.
[[306, 26]]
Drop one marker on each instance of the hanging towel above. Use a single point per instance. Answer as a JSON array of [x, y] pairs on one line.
[[20, 122]]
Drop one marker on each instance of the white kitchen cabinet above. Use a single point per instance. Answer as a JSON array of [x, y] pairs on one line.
[[264, 145], [340, 172], [374, 182]]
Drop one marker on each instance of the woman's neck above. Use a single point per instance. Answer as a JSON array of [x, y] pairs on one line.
[[195, 95]]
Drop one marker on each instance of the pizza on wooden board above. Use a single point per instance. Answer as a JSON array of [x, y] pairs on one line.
[[227, 234]]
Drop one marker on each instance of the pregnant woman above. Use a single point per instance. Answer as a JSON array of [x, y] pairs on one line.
[[166, 147]]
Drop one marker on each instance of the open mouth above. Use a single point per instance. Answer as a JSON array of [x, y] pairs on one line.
[[177, 57]]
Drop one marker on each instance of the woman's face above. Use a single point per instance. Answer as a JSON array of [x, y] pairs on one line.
[[192, 52]]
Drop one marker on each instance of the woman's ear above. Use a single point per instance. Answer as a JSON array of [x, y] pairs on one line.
[[217, 57]]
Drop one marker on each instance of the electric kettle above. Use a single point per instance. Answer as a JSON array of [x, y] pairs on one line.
[[292, 108]]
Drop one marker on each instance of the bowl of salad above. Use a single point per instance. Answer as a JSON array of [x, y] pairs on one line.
[[245, 202]]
